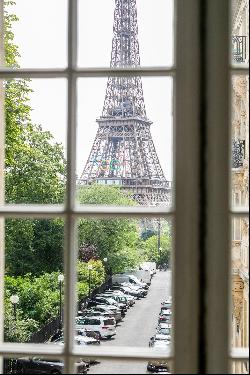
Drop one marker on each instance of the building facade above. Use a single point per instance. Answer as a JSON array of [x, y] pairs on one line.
[[240, 183]]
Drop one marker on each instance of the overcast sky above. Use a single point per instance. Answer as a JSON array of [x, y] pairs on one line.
[[41, 35]]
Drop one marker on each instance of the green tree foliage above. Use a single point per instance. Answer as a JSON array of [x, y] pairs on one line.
[[115, 239], [86, 278], [39, 299], [33, 246], [35, 173], [150, 249]]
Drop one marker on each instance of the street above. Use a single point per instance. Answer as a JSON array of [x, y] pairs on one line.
[[137, 327]]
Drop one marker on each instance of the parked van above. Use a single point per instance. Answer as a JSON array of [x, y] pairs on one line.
[[120, 278], [143, 275], [151, 266]]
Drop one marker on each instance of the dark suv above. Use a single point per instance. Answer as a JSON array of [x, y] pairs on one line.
[[43, 366]]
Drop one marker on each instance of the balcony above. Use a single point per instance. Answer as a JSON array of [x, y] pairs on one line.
[[239, 48]]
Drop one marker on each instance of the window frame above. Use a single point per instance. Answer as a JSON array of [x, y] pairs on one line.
[[201, 215]]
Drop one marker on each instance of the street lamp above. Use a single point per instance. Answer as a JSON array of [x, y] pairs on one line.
[[14, 299], [105, 260], [60, 281], [90, 267], [159, 240]]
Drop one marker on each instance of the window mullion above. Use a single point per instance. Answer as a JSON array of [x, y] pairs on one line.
[[70, 222], [218, 246], [186, 256]]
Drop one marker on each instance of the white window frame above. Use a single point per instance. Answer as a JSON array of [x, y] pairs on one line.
[[201, 211]]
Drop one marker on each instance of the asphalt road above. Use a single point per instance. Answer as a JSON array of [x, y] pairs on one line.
[[137, 327]]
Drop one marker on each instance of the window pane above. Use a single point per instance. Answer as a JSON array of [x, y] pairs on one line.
[[240, 31], [35, 112], [125, 284], [155, 22], [36, 33], [240, 141], [115, 366], [129, 148], [33, 299], [240, 283]]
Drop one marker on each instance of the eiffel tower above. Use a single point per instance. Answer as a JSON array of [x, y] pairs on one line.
[[123, 152]]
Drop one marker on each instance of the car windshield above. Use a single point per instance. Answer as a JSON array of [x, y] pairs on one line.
[[165, 331], [108, 322], [79, 321]]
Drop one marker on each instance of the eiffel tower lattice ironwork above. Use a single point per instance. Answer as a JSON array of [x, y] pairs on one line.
[[123, 152]]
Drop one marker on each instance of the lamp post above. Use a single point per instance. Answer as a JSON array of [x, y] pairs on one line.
[[159, 241], [90, 267], [105, 261], [60, 281], [14, 299]]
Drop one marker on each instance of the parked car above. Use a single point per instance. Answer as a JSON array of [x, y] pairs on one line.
[[80, 339], [166, 306], [118, 298], [89, 334], [44, 366], [104, 326], [102, 299], [165, 316], [163, 325], [130, 299], [134, 280], [167, 300], [164, 331], [160, 344], [158, 366], [112, 310], [92, 312], [159, 337], [142, 292], [129, 291]]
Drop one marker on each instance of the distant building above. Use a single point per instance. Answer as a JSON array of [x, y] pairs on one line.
[[240, 184]]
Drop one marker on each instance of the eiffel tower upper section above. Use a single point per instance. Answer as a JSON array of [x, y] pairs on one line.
[[123, 152]]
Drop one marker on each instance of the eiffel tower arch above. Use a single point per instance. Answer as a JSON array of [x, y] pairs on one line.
[[123, 152]]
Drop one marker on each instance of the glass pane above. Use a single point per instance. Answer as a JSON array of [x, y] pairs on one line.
[[115, 366], [124, 284], [35, 142], [148, 24], [240, 282], [129, 147], [240, 141], [33, 300], [240, 31], [36, 33]]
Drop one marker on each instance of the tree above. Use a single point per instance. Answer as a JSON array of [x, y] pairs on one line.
[[35, 173], [151, 252], [115, 239], [87, 252], [97, 277]]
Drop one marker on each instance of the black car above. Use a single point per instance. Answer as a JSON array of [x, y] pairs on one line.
[[43, 366], [158, 366]]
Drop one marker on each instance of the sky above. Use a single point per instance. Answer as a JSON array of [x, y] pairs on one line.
[[41, 34]]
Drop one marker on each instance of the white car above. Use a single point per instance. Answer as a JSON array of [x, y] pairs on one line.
[[161, 344], [104, 326]]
